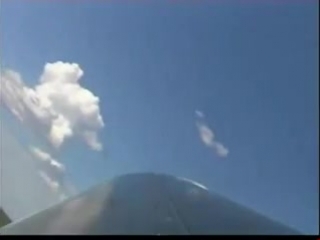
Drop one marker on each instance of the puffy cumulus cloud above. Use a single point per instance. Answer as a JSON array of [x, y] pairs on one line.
[[207, 136], [52, 172], [57, 106]]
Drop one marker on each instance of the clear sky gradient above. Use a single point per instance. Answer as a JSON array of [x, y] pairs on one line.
[[251, 67]]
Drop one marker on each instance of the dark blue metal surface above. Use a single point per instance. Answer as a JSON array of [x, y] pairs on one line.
[[147, 204]]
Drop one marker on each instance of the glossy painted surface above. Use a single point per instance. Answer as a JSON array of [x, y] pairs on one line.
[[147, 204]]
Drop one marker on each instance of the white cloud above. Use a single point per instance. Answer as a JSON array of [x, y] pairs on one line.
[[92, 140], [52, 172], [30, 180], [199, 114], [53, 185], [221, 150], [207, 136], [58, 106], [45, 158]]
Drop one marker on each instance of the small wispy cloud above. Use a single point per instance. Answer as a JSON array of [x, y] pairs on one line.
[[222, 151], [46, 158], [199, 114], [207, 135], [52, 172]]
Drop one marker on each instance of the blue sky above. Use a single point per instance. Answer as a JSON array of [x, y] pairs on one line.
[[250, 68]]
